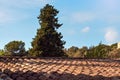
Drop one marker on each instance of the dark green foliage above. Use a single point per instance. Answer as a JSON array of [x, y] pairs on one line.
[[2, 53], [113, 46], [72, 51], [76, 52], [15, 48], [83, 51], [100, 51], [114, 53], [48, 41]]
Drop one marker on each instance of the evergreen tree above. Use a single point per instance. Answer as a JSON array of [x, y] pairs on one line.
[[48, 41]]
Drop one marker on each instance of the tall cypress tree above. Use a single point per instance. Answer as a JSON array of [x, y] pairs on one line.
[[48, 41]]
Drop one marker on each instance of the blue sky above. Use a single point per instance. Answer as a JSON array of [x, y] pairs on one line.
[[85, 22]]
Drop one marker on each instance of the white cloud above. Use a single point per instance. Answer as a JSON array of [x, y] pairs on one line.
[[111, 35], [86, 29], [82, 17]]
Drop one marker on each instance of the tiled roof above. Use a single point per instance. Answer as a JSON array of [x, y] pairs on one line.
[[60, 69]]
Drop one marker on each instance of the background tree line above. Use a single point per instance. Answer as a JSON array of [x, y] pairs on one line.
[[99, 51], [17, 48]]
